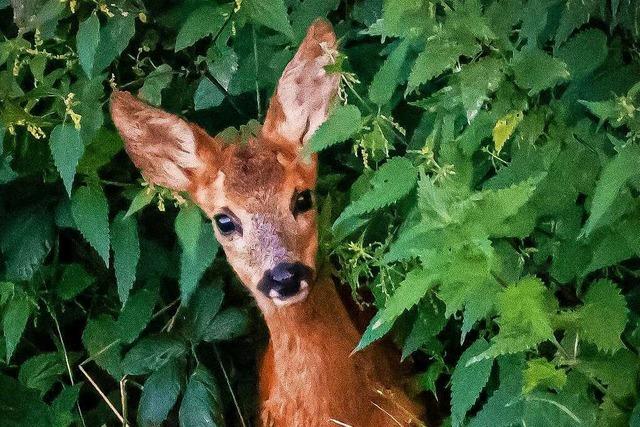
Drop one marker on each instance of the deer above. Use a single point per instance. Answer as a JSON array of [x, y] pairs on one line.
[[260, 199]]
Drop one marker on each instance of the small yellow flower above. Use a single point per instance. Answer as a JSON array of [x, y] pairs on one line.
[[142, 17]]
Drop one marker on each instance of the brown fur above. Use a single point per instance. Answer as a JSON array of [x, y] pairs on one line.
[[309, 376]]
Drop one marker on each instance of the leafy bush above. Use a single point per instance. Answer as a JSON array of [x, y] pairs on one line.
[[480, 186]]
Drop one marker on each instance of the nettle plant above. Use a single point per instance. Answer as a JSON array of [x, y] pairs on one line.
[[479, 186]]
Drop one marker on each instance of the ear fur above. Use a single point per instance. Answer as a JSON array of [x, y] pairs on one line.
[[162, 145], [305, 91]]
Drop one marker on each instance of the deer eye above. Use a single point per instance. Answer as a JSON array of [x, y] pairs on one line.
[[303, 202], [225, 224]]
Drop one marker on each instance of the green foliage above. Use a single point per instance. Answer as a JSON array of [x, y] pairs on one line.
[[479, 177]]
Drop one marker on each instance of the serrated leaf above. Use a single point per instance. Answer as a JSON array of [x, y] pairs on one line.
[[142, 199], [429, 322], [439, 56], [394, 180], [21, 406], [41, 371], [151, 353], [102, 149], [200, 23], [584, 52], [477, 81], [114, 38], [270, 13], [574, 14], [229, 324], [200, 405], [102, 341], [188, 228], [154, 83], [535, 70], [87, 40], [207, 95], [504, 128], [64, 405], [386, 80], [26, 239], [222, 63], [14, 321], [524, 319], [203, 307], [542, 373], [90, 212], [613, 178], [136, 314], [467, 382], [343, 122], [160, 393], [408, 293], [603, 300], [193, 265], [126, 253], [73, 281]]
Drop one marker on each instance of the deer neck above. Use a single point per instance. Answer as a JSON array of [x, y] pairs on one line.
[[312, 343]]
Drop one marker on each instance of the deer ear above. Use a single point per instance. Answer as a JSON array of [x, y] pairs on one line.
[[163, 146], [305, 91]]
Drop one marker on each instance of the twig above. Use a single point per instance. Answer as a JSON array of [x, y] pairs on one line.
[[255, 64], [387, 413], [226, 377], [101, 393]]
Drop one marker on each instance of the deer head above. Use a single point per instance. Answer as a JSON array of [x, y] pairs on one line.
[[258, 195]]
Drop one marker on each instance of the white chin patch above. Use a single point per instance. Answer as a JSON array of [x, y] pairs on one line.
[[299, 297]]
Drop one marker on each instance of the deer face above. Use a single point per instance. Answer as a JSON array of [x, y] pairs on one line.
[[259, 196]]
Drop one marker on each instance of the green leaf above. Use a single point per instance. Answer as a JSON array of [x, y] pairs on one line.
[[477, 81], [73, 281], [467, 382], [343, 122], [41, 371], [114, 38], [386, 80], [203, 307], [200, 23], [21, 406], [136, 314], [229, 324], [64, 406], [103, 147], [160, 393], [222, 63], [90, 212], [26, 237], [126, 253], [207, 95], [14, 321], [87, 40], [584, 52], [189, 227], [394, 180], [429, 322], [542, 373], [603, 300], [200, 405], [536, 71], [155, 82], [151, 353], [408, 293], [270, 13], [503, 408], [439, 56], [141, 199], [102, 341], [524, 319], [613, 178], [575, 13], [193, 265]]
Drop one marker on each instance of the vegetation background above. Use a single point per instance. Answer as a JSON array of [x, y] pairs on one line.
[[480, 187]]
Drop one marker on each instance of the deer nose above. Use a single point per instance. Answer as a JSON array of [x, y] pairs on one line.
[[284, 280]]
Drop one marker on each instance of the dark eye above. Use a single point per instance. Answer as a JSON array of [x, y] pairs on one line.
[[303, 202], [225, 224]]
